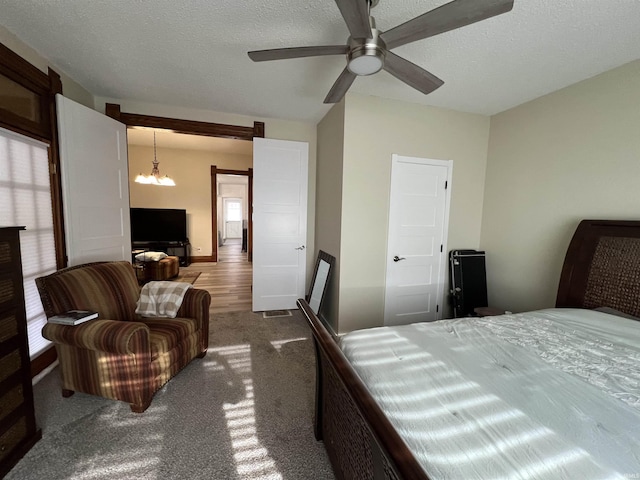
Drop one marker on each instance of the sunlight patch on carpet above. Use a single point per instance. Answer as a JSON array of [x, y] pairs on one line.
[[277, 344], [251, 457], [276, 313]]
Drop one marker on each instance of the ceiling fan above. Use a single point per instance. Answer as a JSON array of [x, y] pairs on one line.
[[368, 49]]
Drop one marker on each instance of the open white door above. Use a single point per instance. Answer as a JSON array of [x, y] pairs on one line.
[[416, 248], [280, 176], [95, 185]]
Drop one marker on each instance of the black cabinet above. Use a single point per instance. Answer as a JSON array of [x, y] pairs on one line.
[[182, 250], [468, 281], [18, 431]]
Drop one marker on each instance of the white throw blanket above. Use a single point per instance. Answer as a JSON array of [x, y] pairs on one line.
[[161, 299]]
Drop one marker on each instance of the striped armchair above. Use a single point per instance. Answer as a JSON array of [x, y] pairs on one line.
[[120, 355]]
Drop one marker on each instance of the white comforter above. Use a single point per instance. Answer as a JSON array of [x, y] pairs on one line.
[[552, 394]]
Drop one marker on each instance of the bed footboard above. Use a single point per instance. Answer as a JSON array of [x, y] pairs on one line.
[[359, 439]]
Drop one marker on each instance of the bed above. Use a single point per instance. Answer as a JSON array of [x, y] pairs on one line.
[[554, 393]]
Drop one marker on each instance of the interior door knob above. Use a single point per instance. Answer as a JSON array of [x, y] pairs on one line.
[[397, 258], [301, 247]]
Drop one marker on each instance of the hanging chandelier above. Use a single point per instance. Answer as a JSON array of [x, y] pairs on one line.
[[154, 177]]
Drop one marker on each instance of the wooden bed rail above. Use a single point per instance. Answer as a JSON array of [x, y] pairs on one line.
[[398, 462]]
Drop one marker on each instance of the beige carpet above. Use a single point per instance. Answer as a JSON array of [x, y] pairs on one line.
[[244, 412]]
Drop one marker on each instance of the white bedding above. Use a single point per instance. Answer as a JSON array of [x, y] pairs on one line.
[[552, 394]]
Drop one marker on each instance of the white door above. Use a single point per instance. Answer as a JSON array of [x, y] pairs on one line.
[[416, 248], [232, 217], [95, 186], [233, 230], [280, 171]]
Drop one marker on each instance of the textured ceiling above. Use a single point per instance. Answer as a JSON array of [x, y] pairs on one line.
[[193, 53]]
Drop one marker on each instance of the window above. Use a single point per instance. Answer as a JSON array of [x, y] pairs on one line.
[[19, 101], [25, 196], [26, 95], [234, 210], [30, 193]]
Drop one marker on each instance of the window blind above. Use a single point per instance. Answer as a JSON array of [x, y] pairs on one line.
[[25, 199]]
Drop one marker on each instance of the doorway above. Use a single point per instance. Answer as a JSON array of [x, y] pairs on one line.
[[231, 214]]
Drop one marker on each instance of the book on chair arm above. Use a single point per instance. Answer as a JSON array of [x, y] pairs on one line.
[[73, 317]]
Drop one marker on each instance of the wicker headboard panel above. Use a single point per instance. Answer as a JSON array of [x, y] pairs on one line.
[[602, 267]]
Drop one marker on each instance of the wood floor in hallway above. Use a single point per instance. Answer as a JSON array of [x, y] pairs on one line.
[[228, 281]]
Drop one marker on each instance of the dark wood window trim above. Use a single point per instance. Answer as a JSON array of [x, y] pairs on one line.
[[45, 86], [214, 209], [14, 67], [42, 361], [54, 173], [193, 127]]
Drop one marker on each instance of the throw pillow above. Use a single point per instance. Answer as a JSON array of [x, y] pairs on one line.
[[150, 256]]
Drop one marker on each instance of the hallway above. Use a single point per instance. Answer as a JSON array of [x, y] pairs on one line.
[[228, 281], [231, 251]]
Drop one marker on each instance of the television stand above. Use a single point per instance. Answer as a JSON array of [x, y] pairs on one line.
[[182, 250]]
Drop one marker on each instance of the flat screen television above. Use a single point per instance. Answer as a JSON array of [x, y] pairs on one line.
[[158, 225]]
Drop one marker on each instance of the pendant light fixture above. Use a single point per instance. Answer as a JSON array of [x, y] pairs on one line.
[[154, 177]]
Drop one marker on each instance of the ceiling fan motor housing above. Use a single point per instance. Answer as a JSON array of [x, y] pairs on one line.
[[367, 49], [366, 55]]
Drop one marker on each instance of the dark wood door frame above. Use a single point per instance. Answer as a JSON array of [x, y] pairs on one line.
[[214, 208], [207, 129]]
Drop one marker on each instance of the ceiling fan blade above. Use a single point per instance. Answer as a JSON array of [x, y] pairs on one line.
[[340, 87], [296, 52], [356, 16], [449, 16], [411, 74]]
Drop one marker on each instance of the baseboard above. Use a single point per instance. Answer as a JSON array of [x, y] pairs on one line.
[[43, 360], [44, 372], [201, 259]]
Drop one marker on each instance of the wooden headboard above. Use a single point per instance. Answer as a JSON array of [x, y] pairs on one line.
[[602, 267]]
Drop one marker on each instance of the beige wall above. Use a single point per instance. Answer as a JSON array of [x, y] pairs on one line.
[[329, 201], [376, 128], [70, 88], [274, 128], [570, 155], [191, 170]]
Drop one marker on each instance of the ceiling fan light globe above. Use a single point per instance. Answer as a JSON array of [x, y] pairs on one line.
[[365, 62]]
